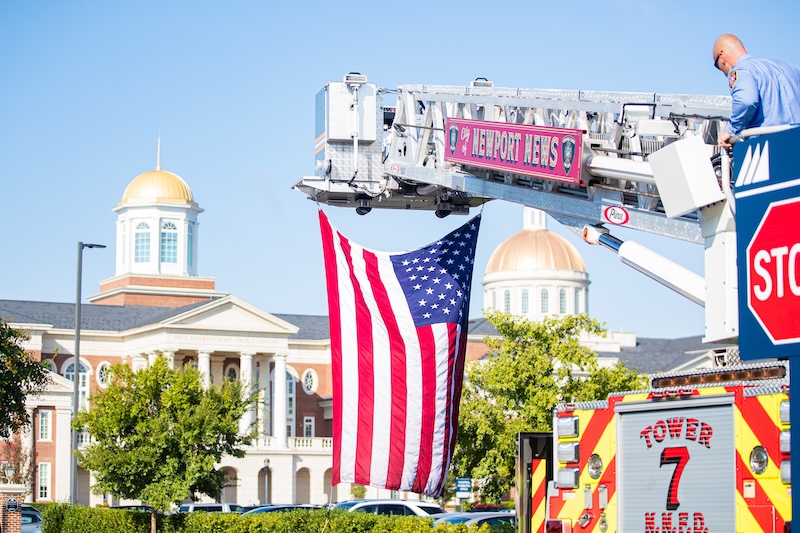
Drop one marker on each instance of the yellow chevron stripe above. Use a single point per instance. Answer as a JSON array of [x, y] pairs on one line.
[[539, 483], [770, 480], [745, 521]]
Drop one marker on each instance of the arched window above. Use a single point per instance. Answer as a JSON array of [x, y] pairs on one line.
[[310, 381], [506, 302], [545, 301], [562, 301], [104, 374], [83, 383], [169, 243], [577, 301], [524, 301], [141, 243], [232, 372], [190, 246]]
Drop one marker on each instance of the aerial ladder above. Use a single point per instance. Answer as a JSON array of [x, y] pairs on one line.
[[643, 161]]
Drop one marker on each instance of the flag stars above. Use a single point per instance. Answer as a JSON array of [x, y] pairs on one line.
[[448, 285], [417, 287], [443, 296], [446, 311], [437, 280], [428, 291], [423, 303]]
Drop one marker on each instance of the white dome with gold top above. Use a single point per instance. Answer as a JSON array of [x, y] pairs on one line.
[[157, 227], [536, 273]]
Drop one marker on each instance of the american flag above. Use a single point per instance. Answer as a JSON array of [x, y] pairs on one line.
[[398, 337]]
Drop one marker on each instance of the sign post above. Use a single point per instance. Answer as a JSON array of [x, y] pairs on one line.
[[767, 192]]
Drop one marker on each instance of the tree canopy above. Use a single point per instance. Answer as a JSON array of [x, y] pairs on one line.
[[530, 368], [158, 432], [20, 376]]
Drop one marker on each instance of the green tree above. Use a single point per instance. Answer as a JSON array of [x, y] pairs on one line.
[[158, 432], [531, 367], [19, 376], [358, 491]]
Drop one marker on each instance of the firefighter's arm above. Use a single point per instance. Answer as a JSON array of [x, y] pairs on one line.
[[745, 99]]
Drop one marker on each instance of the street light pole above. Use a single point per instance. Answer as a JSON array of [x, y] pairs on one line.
[[76, 375]]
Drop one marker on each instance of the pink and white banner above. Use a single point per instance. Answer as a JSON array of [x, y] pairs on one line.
[[540, 151]]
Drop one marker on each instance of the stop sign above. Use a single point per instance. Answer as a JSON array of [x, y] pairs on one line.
[[773, 272]]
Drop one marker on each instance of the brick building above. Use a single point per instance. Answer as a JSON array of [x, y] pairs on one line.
[[157, 304]]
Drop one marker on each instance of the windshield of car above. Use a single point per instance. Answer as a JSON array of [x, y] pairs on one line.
[[346, 505], [454, 519]]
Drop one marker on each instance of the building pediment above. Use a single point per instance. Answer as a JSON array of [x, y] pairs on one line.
[[230, 314]]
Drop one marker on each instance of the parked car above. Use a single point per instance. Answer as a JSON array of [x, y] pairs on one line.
[[345, 505], [279, 508], [31, 521], [140, 508], [398, 507], [210, 508], [500, 521]]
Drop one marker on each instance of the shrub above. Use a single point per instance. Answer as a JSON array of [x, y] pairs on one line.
[[63, 518]]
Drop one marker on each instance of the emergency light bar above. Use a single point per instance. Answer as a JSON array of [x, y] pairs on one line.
[[745, 374]]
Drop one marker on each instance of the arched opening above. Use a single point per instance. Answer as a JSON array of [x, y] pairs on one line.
[[330, 491], [265, 485], [303, 486], [84, 486], [230, 492]]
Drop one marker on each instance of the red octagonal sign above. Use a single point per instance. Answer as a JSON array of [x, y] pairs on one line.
[[773, 272]]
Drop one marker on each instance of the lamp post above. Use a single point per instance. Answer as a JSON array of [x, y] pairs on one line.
[[76, 375]]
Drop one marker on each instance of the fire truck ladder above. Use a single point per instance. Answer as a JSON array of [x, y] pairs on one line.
[[407, 170]]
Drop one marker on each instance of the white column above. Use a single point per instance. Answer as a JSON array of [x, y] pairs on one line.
[[170, 356], [263, 396], [62, 464], [204, 366], [138, 362], [246, 377], [30, 440], [151, 358], [30, 435], [279, 400]]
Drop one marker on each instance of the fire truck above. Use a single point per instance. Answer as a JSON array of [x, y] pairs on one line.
[[700, 452], [695, 453]]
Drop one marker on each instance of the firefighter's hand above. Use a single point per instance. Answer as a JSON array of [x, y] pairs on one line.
[[724, 137]]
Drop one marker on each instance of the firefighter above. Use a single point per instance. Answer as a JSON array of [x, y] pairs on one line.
[[765, 92]]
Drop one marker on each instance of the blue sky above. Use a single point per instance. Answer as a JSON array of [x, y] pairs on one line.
[[87, 87]]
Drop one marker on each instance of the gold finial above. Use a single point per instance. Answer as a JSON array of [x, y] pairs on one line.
[[158, 155]]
